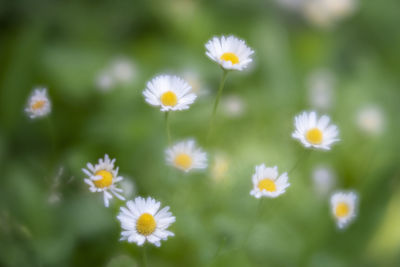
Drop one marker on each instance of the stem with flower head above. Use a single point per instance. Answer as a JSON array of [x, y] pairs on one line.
[[220, 89], [167, 127], [302, 158]]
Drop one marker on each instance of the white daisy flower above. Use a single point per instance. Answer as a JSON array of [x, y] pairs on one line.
[[103, 177], [186, 156], [313, 132], [268, 183], [142, 220], [229, 52], [38, 104], [344, 207], [169, 92]]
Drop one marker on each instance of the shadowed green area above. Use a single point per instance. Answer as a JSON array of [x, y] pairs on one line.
[[48, 217]]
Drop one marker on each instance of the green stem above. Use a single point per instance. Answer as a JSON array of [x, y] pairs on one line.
[[257, 217], [53, 145], [220, 89], [167, 127], [51, 134], [219, 248], [302, 158], [144, 256]]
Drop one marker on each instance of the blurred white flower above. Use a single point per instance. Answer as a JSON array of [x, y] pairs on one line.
[[105, 81], [233, 106], [344, 207], [103, 177], [229, 52], [128, 187], [169, 92], [324, 13], [371, 120], [123, 70], [54, 197], [219, 167], [268, 183], [142, 220], [38, 104], [324, 180], [320, 89], [314, 132], [193, 79], [55, 192], [186, 156], [120, 71]]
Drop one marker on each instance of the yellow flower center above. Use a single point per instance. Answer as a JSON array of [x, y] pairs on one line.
[[267, 184], [169, 99], [184, 161], [38, 104], [314, 136], [146, 224], [106, 179], [342, 210], [230, 57]]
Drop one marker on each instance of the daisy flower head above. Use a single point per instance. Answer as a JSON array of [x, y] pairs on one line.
[[38, 104], [142, 220], [344, 207], [229, 52], [103, 177], [314, 132], [268, 183], [169, 92], [186, 156]]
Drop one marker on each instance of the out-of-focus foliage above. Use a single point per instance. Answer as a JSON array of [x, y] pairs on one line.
[[48, 217]]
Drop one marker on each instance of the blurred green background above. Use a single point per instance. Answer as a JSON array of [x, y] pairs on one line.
[[48, 217]]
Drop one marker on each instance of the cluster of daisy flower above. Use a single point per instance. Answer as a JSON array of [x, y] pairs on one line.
[[143, 219]]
